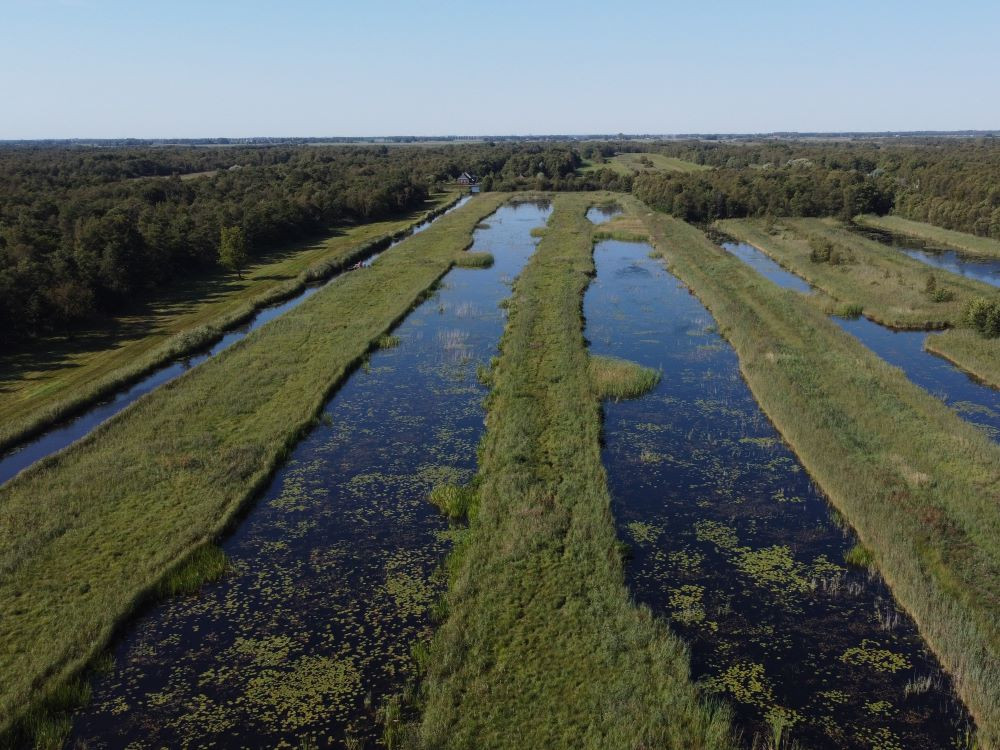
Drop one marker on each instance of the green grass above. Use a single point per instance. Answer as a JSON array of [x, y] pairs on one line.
[[968, 243], [619, 379], [630, 163], [918, 483], [625, 228], [890, 286], [541, 646], [85, 535], [970, 351], [59, 376], [474, 260]]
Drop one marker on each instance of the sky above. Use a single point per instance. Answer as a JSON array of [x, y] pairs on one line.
[[151, 69]]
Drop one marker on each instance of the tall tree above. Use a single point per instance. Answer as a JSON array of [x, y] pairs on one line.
[[233, 249]]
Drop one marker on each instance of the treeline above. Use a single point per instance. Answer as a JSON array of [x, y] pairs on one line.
[[947, 182], [84, 231]]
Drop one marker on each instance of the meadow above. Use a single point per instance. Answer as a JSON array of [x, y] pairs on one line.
[[630, 163], [57, 376], [88, 534], [918, 485]]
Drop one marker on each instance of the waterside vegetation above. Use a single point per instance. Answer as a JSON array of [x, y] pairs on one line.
[[918, 484], [541, 645], [88, 534]]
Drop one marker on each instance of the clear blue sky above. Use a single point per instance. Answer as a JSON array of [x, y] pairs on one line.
[[141, 68]]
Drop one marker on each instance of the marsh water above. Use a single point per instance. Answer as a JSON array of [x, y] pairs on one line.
[[63, 434], [975, 267], [972, 400], [331, 574], [733, 542]]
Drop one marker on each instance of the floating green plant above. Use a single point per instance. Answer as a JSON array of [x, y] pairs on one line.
[[642, 532], [869, 654], [619, 379]]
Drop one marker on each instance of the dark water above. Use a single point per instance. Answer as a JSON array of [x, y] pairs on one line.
[[24, 455], [603, 213], [766, 267], [986, 270], [332, 570], [734, 543], [973, 401]]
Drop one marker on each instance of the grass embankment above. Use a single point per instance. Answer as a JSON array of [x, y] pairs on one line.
[[890, 286], [918, 483], [967, 243], [969, 351], [57, 377], [89, 532], [630, 163], [541, 646]]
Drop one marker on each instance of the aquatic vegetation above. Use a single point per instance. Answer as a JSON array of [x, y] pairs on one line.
[[852, 418], [207, 563], [179, 464], [859, 556], [474, 260], [387, 341], [617, 379], [453, 500], [539, 623], [869, 654], [643, 533]]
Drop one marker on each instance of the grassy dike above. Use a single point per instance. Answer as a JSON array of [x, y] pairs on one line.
[[969, 351], [968, 243], [918, 484], [193, 315], [541, 645], [88, 533], [890, 286]]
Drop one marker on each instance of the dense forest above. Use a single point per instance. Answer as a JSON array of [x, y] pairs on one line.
[[84, 229], [951, 183]]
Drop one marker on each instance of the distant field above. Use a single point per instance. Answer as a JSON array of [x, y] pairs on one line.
[[37, 380], [968, 243], [629, 163]]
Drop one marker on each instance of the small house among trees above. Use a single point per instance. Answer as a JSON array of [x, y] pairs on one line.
[[467, 180]]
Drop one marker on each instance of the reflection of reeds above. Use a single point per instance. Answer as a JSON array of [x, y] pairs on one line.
[[465, 310]]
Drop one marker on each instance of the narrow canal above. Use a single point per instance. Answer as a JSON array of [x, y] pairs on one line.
[[975, 267], [733, 542], [332, 573], [972, 400], [63, 434]]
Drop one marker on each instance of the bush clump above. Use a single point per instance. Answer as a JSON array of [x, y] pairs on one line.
[[983, 316]]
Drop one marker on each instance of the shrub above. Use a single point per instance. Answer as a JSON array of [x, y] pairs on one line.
[[983, 315]]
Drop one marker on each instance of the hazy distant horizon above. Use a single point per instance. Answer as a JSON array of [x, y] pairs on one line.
[[109, 69]]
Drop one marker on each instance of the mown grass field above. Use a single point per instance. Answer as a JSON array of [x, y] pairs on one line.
[[968, 243], [919, 484], [541, 645], [630, 163], [88, 533], [890, 286], [58, 375]]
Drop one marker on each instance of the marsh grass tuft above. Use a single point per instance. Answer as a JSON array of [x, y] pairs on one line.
[[204, 565], [619, 379], [453, 500], [860, 557], [388, 341], [474, 260]]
